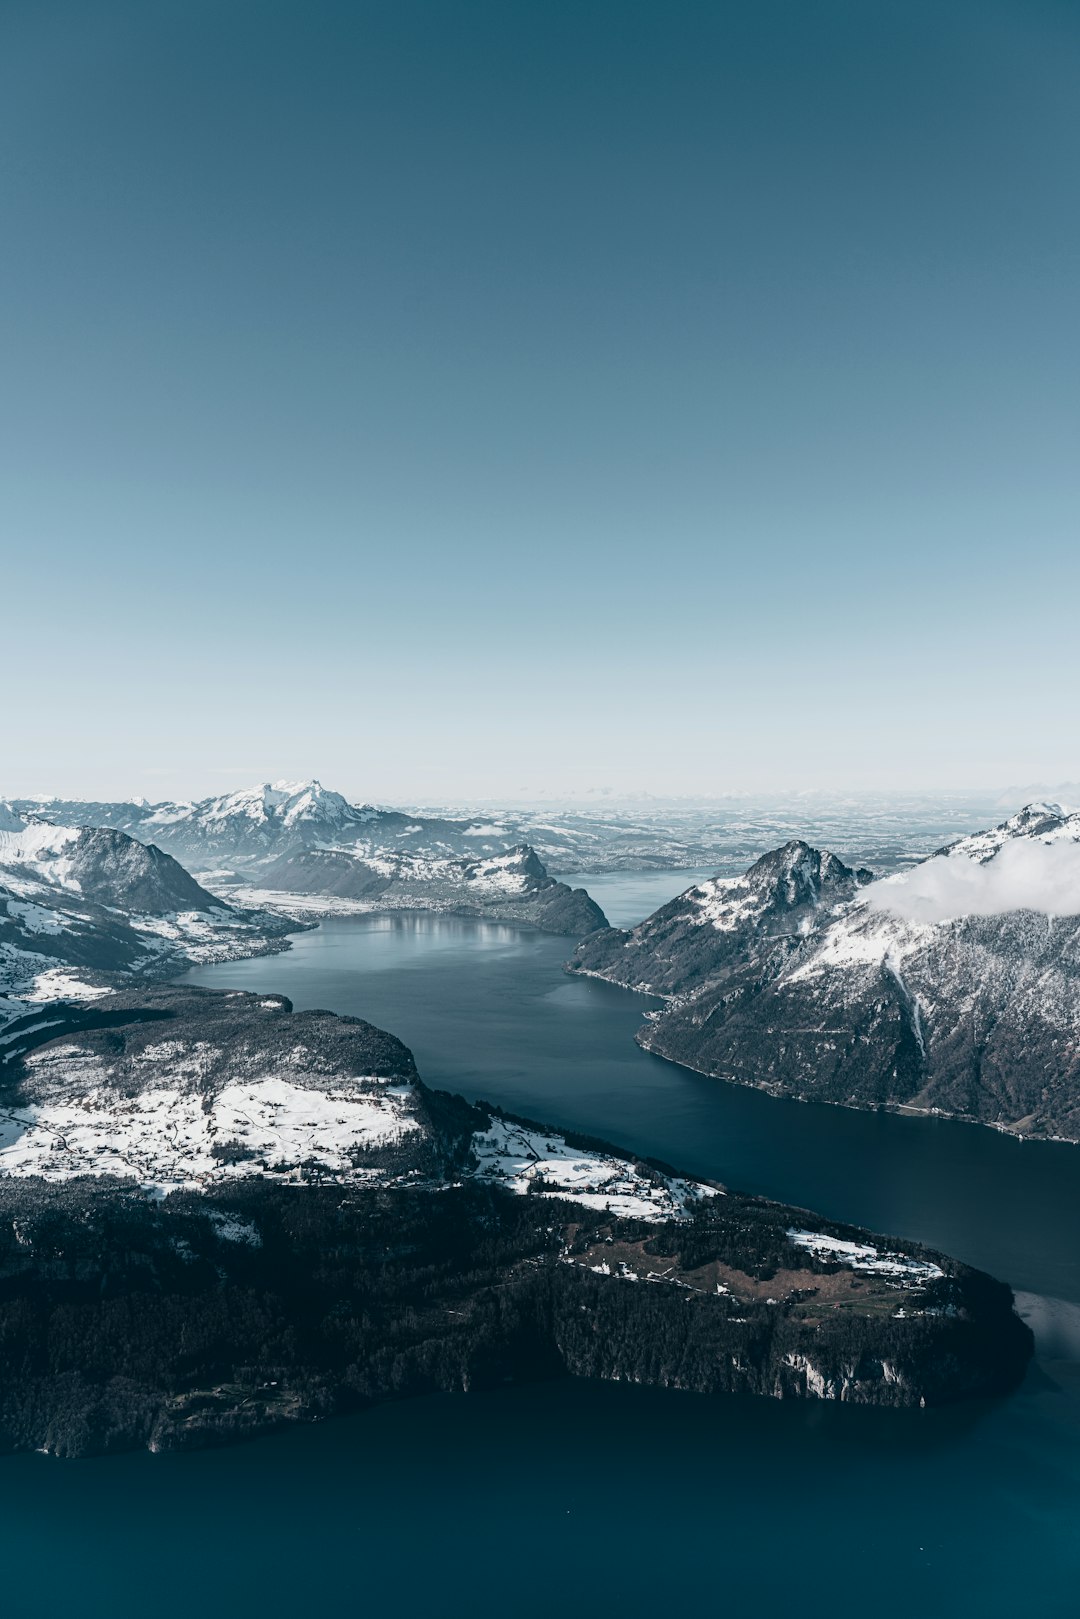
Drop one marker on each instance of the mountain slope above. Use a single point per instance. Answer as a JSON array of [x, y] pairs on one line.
[[711, 929], [81, 907], [915, 991]]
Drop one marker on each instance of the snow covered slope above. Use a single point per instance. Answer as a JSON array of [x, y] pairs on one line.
[[200, 1088], [83, 907], [1048, 823], [513, 887], [953, 987]]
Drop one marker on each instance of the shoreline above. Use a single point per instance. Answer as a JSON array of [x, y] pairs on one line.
[[896, 1109]]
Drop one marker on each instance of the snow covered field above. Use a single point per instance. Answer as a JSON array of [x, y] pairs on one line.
[[173, 1135], [541, 1162], [862, 1256]]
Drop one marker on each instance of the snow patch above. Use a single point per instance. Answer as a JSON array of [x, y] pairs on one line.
[[863, 1256], [59, 984], [542, 1162], [165, 1137]]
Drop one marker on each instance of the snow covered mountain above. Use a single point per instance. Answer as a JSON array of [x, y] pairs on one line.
[[248, 824], [262, 823], [511, 887], [301, 839], [953, 987], [81, 908], [710, 929], [259, 824]]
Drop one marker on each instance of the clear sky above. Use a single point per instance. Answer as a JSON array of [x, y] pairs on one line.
[[451, 400]]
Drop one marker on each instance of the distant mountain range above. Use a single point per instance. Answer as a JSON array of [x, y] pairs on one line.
[[238, 830], [262, 823], [300, 839], [953, 987]]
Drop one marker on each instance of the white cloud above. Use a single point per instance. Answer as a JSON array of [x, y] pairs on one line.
[[1026, 875]]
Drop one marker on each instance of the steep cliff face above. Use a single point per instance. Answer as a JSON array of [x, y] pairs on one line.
[[217, 1216], [765, 1318], [954, 986]]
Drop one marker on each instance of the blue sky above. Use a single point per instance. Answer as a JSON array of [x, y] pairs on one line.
[[459, 400]]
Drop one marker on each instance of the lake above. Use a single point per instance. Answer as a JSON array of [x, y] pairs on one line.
[[611, 1499]]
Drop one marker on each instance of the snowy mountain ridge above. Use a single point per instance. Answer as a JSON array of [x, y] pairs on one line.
[[1049, 823], [259, 823], [953, 987]]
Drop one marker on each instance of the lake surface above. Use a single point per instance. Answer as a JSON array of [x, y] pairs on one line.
[[611, 1499], [626, 897]]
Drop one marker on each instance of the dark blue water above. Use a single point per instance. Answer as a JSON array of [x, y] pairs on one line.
[[609, 1499], [568, 1499]]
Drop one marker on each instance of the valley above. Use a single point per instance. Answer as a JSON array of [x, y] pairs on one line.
[[498, 1019], [179, 1094]]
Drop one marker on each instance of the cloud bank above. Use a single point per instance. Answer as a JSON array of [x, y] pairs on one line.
[[1026, 875]]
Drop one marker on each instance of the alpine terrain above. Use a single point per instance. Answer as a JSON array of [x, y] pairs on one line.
[[82, 908], [952, 987], [291, 844]]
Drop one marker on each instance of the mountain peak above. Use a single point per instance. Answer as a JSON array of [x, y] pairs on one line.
[[1048, 821], [116, 869], [797, 874], [298, 789]]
